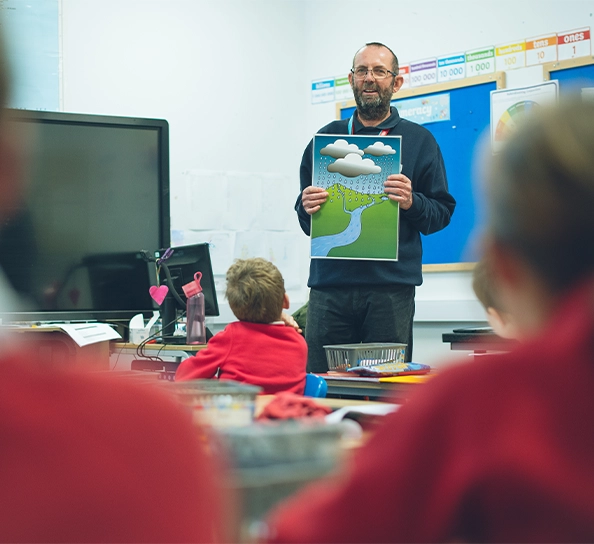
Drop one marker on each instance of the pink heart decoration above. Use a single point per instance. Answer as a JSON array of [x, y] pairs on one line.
[[159, 293]]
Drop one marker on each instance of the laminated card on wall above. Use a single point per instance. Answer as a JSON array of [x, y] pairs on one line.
[[358, 220]]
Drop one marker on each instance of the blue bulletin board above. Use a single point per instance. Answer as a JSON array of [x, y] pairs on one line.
[[458, 138], [573, 75]]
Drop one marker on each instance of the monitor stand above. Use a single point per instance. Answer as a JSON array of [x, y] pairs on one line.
[[177, 340]]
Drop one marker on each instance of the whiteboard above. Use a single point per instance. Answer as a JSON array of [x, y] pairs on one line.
[[32, 33]]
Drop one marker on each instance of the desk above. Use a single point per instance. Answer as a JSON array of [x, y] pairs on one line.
[[271, 461], [345, 385], [54, 347], [176, 352], [340, 384], [478, 341]]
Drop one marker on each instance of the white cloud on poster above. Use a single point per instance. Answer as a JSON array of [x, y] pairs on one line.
[[353, 165], [340, 149], [379, 149]]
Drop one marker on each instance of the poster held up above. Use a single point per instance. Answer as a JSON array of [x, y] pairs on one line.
[[358, 220]]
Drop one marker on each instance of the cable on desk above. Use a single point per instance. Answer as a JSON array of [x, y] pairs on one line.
[[140, 352], [120, 351]]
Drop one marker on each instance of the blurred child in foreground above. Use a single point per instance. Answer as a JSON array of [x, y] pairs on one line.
[[501, 321], [89, 457], [259, 349], [501, 451]]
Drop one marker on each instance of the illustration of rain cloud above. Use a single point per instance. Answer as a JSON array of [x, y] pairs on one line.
[[340, 149], [378, 149], [353, 165]]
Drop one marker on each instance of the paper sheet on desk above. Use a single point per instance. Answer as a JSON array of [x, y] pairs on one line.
[[85, 334], [372, 409]]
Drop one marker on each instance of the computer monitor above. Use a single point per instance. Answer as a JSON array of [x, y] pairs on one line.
[[97, 195], [119, 281], [183, 263]]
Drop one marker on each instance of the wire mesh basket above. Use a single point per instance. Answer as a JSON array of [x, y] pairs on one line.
[[218, 403], [341, 357]]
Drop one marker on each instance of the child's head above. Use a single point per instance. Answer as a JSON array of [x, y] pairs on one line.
[[501, 321], [256, 290]]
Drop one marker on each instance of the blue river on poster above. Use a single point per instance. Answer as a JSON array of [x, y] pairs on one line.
[[321, 246]]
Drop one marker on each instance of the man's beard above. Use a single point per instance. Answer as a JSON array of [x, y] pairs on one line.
[[372, 109]]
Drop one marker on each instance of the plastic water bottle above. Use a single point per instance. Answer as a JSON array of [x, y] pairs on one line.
[[195, 326]]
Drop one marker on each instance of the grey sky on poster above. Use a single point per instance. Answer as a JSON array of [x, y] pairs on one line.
[[32, 29]]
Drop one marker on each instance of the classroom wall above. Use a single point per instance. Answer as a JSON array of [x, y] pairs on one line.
[[233, 79], [229, 77]]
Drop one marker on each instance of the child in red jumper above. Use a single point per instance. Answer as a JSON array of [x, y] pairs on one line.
[[259, 349]]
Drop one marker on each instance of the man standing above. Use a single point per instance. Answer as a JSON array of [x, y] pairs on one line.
[[355, 301]]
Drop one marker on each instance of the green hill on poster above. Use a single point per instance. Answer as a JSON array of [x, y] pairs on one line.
[[379, 223]]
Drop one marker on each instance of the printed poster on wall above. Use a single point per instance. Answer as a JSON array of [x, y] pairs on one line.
[[451, 67], [404, 71], [510, 106], [573, 43], [322, 91], [510, 56], [541, 50], [426, 109], [342, 89], [358, 220], [32, 29]]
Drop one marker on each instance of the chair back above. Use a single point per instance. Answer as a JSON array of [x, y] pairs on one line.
[[315, 386]]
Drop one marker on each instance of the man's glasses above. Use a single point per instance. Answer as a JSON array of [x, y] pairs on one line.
[[377, 73]]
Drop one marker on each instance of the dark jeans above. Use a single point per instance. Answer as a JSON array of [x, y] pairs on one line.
[[351, 315]]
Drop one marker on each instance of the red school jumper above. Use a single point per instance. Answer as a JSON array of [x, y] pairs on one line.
[[87, 457], [499, 450], [272, 356]]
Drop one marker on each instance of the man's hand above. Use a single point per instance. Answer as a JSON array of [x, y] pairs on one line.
[[399, 189], [289, 321], [312, 198]]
